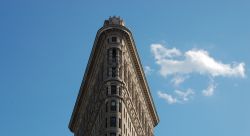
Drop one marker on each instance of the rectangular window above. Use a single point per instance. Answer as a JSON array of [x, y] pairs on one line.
[[113, 105], [120, 72], [106, 123], [120, 91], [114, 53], [113, 71], [107, 71], [113, 89], [120, 107], [112, 121], [108, 55], [107, 91], [106, 106], [114, 39], [112, 134], [120, 123]]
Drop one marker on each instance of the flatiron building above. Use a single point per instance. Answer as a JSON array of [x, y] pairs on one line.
[[114, 98]]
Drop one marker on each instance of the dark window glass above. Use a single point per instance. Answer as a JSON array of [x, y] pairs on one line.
[[120, 123], [107, 91], [106, 123], [120, 107], [113, 89], [112, 121], [114, 39], [106, 106], [107, 55], [112, 134], [113, 71], [120, 91], [113, 53], [107, 71], [113, 105]]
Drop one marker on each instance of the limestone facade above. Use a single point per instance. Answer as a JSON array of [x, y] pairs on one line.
[[114, 97]]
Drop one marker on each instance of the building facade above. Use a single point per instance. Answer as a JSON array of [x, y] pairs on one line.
[[114, 98]]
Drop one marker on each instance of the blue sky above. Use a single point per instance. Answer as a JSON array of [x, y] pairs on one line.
[[45, 45]]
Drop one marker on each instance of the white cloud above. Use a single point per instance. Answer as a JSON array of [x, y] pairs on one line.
[[161, 52], [194, 61], [167, 97], [184, 95], [177, 80], [180, 66], [210, 89], [148, 70], [177, 97]]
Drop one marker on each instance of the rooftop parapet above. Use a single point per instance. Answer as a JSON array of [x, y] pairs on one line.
[[114, 21]]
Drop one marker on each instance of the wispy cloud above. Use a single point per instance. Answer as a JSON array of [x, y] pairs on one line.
[[184, 95], [193, 61], [209, 91], [178, 96], [148, 70], [178, 79], [167, 97], [160, 52]]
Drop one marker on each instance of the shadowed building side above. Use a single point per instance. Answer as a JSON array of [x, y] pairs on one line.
[[114, 98]]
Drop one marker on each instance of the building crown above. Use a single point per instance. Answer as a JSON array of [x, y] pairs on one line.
[[114, 21]]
